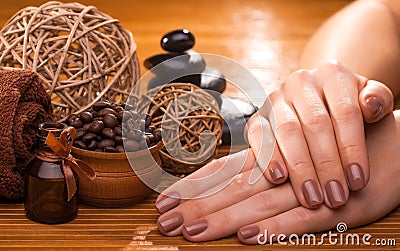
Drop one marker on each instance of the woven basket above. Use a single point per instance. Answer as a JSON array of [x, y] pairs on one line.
[[82, 54], [184, 112]]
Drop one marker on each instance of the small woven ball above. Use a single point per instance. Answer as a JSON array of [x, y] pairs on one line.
[[190, 122], [82, 54]]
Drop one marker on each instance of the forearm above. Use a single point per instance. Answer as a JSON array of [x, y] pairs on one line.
[[365, 37]]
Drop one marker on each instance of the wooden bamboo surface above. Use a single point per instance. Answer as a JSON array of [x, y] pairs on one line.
[[266, 36]]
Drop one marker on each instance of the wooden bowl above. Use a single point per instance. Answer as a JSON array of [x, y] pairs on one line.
[[116, 184]]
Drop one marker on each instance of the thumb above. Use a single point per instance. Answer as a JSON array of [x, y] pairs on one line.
[[376, 101]]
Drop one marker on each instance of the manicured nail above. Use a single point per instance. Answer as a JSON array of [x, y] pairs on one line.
[[248, 232], [196, 227], [335, 193], [375, 105], [171, 222], [275, 170], [355, 177], [170, 201], [312, 194]]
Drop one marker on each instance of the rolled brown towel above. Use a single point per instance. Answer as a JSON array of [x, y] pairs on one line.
[[24, 104]]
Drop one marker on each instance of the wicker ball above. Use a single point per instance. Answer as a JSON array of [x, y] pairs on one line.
[[82, 54], [187, 112]]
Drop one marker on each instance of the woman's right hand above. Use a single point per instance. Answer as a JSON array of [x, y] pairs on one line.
[[318, 120]]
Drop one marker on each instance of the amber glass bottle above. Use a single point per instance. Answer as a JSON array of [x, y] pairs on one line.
[[46, 199]]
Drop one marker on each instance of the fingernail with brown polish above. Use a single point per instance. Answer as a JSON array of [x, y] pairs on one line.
[[248, 232], [171, 222], [275, 170], [312, 193], [355, 177], [335, 193], [375, 105], [196, 227], [170, 201]]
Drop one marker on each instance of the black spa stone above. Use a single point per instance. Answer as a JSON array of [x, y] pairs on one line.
[[159, 58], [213, 79], [178, 41], [184, 68], [235, 112]]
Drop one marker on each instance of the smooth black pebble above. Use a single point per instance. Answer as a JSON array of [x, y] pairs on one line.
[[213, 79], [235, 112], [159, 58], [177, 41]]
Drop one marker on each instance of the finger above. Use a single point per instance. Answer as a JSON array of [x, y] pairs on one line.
[[295, 221], [341, 91], [262, 141], [376, 101], [228, 220], [238, 190], [214, 174], [321, 141], [294, 149]]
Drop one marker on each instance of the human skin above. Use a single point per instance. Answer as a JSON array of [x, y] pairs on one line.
[[323, 116], [243, 208], [350, 37]]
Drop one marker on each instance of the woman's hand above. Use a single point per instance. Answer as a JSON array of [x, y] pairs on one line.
[[319, 128], [249, 209]]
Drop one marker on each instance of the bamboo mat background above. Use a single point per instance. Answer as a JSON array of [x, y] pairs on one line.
[[134, 228], [266, 36]]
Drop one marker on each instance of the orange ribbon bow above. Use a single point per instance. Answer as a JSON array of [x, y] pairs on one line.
[[62, 151]]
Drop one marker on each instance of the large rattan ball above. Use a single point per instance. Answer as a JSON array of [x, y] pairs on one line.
[[82, 54], [190, 122]]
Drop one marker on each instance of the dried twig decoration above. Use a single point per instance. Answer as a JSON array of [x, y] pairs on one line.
[[191, 124], [82, 54]]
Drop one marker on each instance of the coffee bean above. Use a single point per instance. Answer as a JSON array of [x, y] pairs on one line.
[[110, 149], [86, 117], [101, 105], [149, 138], [118, 140], [118, 130], [99, 150], [120, 148], [89, 137], [71, 118], [213, 79], [177, 40], [118, 109], [110, 120], [148, 120], [105, 111], [134, 134], [80, 132], [108, 133], [105, 142], [131, 145], [80, 144], [99, 138], [86, 127], [92, 145], [157, 134], [96, 126], [124, 116], [77, 123]]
